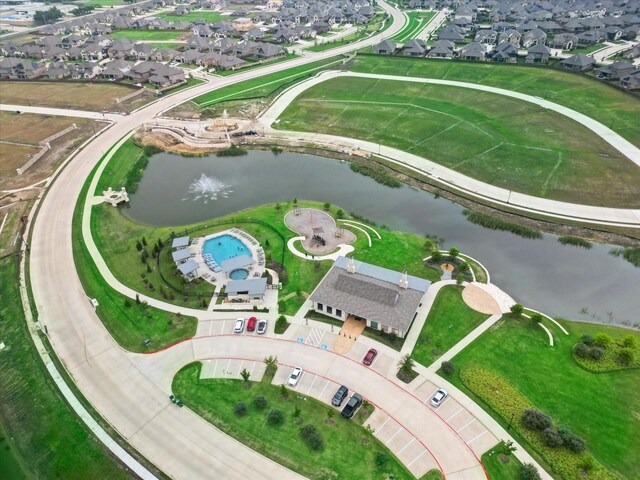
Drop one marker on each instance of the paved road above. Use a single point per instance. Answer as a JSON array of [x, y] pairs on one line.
[[591, 214], [61, 112]]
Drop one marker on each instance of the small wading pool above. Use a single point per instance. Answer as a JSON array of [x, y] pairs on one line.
[[239, 274]]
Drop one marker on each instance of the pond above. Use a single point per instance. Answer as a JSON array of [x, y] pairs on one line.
[[561, 280]]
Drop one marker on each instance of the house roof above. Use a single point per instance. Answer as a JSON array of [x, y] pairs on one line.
[[253, 286]]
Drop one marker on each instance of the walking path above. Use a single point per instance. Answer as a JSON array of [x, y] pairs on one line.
[[629, 218], [343, 251], [61, 112]]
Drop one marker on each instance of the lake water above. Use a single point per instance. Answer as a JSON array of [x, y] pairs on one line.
[[542, 274]]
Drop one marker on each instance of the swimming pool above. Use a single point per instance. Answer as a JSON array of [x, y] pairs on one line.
[[239, 274], [224, 247]]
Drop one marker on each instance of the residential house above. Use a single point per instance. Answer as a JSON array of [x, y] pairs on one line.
[[539, 53], [533, 37], [564, 41], [615, 71], [505, 52], [578, 63], [631, 82], [385, 47], [414, 48], [473, 51]]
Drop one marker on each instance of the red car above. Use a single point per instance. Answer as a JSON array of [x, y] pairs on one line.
[[251, 325], [368, 358]]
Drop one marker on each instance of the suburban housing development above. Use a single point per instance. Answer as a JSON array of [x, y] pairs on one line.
[[323, 239]]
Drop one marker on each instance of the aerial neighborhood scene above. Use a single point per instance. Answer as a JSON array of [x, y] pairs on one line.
[[322, 239]]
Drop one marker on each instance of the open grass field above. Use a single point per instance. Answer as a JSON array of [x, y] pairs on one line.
[[343, 452], [46, 436], [493, 138], [601, 408], [210, 16], [416, 23], [116, 237], [31, 128], [614, 108], [142, 35], [82, 96], [265, 85], [448, 322]]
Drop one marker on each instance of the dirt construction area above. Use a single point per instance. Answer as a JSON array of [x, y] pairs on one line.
[[80, 96]]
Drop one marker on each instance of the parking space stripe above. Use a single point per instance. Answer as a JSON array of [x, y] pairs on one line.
[[466, 425], [394, 435], [227, 371], [210, 327], [312, 384], [383, 424], [455, 414], [477, 436], [420, 455], [240, 369], [254, 366], [413, 439], [325, 387]]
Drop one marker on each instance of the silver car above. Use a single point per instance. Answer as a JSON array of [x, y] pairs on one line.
[[439, 397], [294, 378], [239, 326]]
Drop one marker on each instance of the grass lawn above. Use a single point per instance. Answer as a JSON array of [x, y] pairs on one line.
[[614, 108], [417, 22], [448, 322], [227, 73], [82, 96], [46, 436], [500, 466], [129, 323], [588, 49], [379, 24], [136, 34], [209, 16], [191, 82], [265, 85], [496, 139], [116, 237], [215, 399], [601, 408]]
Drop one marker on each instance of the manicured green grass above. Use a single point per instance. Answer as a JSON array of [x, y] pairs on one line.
[[47, 436], [417, 22], [448, 322], [228, 73], [601, 408], [506, 142], [378, 24], [129, 323], [209, 16], [588, 49], [135, 34], [497, 467], [612, 107], [265, 85], [343, 452]]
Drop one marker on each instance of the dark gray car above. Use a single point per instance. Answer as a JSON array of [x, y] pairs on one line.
[[340, 395], [352, 405]]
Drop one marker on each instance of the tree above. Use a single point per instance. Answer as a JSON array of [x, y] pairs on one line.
[[327, 205], [436, 256], [459, 278], [406, 364], [447, 367], [312, 437], [626, 356], [275, 417], [517, 310], [240, 409], [284, 392], [82, 10], [278, 207], [602, 340], [464, 267], [47, 16], [272, 364], [330, 414], [260, 402], [144, 241], [454, 252], [245, 374], [528, 472], [535, 419], [536, 318], [138, 246], [381, 460], [629, 341], [340, 213]]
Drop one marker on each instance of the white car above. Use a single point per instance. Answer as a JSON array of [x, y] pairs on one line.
[[439, 397], [239, 326], [262, 327], [294, 378]]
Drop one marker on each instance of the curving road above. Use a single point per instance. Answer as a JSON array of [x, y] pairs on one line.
[[597, 215]]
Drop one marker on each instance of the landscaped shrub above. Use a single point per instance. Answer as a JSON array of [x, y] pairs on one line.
[[517, 309], [582, 350], [275, 417], [240, 409], [281, 325], [626, 356], [260, 402], [312, 437], [448, 367], [571, 440], [587, 339], [629, 341], [535, 419], [382, 460], [602, 340], [528, 472], [552, 437], [596, 353]]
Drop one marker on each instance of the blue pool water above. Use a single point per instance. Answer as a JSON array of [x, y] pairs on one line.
[[225, 247], [239, 274]]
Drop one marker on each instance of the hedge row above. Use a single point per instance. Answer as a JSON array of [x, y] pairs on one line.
[[507, 401]]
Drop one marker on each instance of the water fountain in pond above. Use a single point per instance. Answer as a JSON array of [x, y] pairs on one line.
[[208, 188]]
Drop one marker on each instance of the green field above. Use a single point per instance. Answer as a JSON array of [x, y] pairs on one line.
[[206, 15], [502, 141], [142, 35], [601, 408], [448, 322], [215, 399], [228, 73], [46, 436], [610, 106], [417, 21], [378, 24], [265, 85]]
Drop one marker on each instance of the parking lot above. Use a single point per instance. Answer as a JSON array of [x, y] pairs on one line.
[[208, 328]]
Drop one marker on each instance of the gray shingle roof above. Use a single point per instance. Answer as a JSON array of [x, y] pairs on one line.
[[253, 286]]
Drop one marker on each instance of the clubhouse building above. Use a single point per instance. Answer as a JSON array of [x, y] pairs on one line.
[[385, 299]]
